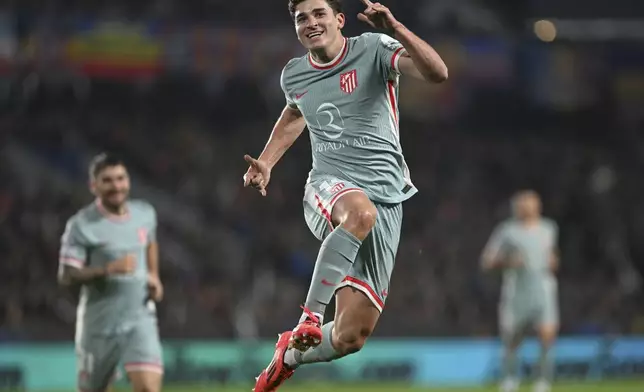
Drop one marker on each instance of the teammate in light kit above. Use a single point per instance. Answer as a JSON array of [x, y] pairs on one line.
[[345, 90], [110, 249], [525, 248]]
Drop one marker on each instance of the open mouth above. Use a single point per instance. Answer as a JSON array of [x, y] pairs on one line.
[[314, 34]]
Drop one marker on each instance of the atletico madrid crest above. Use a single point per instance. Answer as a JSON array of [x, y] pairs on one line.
[[143, 235], [349, 81]]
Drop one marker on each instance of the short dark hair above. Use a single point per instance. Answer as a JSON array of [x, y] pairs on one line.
[[103, 161], [336, 6]]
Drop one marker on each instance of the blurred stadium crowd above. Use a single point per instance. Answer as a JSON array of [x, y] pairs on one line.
[[236, 264]]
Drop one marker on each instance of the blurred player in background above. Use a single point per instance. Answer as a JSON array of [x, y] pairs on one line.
[[346, 91], [525, 249], [109, 248]]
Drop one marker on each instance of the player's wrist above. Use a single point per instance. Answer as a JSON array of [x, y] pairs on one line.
[[268, 162], [396, 28]]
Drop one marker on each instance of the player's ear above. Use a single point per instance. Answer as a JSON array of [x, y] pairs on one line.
[[341, 20], [92, 187]]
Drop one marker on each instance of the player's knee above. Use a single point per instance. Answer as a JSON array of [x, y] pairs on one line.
[[351, 340], [145, 382], [146, 388], [511, 347], [512, 340], [547, 338], [360, 222]]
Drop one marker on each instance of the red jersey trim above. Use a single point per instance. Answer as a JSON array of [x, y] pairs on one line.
[[343, 54], [395, 58]]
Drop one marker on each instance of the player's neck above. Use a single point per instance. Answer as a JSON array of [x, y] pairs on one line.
[[530, 221], [329, 53], [117, 211]]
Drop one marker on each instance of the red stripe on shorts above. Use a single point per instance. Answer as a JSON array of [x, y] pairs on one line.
[[342, 192], [324, 211], [368, 288]]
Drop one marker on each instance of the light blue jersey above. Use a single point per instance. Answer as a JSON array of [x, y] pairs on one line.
[[529, 292], [93, 237], [351, 110]]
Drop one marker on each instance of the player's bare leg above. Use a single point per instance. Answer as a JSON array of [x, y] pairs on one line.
[[510, 365], [353, 217], [106, 389], [144, 381], [355, 319], [547, 334]]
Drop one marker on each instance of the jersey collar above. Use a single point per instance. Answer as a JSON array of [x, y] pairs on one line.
[[109, 215], [333, 62]]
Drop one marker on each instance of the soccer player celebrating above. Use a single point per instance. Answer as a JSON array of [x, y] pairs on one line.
[[524, 247], [345, 90], [109, 248]]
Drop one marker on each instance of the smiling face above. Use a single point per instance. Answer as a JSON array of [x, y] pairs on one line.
[[112, 186], [317, 25]]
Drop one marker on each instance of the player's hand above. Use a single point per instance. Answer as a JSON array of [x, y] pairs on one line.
[[378, 16], [515, 261], [258, 174], [155, 288], [123, 266]]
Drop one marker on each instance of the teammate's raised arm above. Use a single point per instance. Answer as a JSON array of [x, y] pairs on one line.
[[419, 60]]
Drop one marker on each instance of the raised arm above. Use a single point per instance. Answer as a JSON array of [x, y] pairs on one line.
[[415, 57], [420, 60]]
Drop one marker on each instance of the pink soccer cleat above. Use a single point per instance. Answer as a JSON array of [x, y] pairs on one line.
[[277, 371]]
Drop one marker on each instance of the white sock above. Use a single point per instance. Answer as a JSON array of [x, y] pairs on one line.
[[541, 386], [304, 316], [292, 358], [509, 385]]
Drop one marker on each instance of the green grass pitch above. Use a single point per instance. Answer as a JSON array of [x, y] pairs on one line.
[[603, 386], [615, 386]]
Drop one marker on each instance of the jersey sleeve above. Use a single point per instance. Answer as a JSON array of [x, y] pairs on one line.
[[389, 52], [496, 242], [152, 233], [555, 235], [73, 250], [289, 100]]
